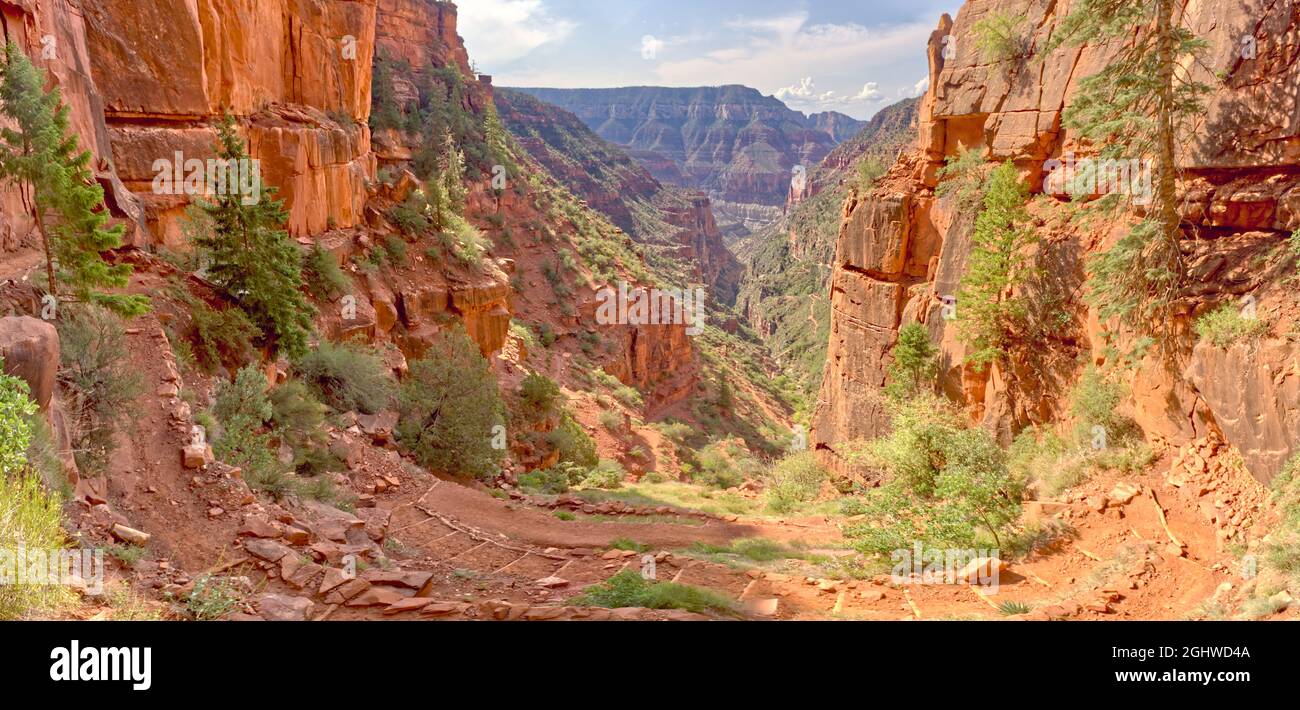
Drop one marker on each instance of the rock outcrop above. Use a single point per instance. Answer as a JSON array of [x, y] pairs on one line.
[[29, 349], [902, 250]]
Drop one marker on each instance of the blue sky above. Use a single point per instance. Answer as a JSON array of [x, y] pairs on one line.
[[853, 56]]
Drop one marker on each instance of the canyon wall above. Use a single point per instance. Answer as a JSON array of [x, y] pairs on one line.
[[294, 73], [902, 250], [731, 141], [679, 223]]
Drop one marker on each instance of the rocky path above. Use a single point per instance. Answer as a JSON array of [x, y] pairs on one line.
[[461, 554]]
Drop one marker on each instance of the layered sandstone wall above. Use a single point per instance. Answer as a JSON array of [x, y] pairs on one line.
[[294, 73], [902, 250]]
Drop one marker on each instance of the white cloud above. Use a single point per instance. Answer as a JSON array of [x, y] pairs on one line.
[[921, 86], [805, 89], [784, 26], [500, 31], [870, 92], [766, 51], [804, 94]]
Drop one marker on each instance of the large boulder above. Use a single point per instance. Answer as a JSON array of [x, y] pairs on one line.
[[1253, 390], [30, 348]]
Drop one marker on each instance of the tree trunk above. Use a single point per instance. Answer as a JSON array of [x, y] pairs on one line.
[[49, 252], [1166, 159]]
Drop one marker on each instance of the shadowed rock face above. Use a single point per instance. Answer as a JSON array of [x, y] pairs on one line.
[[731, 141], [902, 250]]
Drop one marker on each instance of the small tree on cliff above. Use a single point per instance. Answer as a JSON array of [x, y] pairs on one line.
[[58, 189], [1135, 107], [988, 309], [250, 257], [916, 363]]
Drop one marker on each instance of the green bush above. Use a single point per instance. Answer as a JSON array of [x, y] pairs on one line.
[[607, 475], [756, 549], [298, 419], [32, 516], [870, 170], [1094, 403], [1049, 459], [540, 396], [963, 177], [219, 336], [550, 481], [322, 275], [395, 248], [947, 486], [243, 408], [347, 377], [795, 479], [573, 443], [16, 412], [450, 407], [611, 420], [411, 217], [43, 457], [211, 599], [725, 465], [628, 589], [1001, 36], [466, 242], [97, 370], [1227, 326]]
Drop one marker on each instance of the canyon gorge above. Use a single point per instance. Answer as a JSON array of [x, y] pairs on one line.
[[467, 433]]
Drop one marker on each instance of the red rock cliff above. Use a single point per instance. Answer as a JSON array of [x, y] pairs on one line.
[[296, 73], [901, 250]]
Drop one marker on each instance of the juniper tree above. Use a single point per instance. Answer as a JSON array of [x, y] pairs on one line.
[[1135, 107], [250, 257], [988, 308], [450, 406], [59, 190]]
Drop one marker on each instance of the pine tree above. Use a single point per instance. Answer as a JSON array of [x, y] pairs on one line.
[[453, 176], [988, 310], [915, 362], [59, 190], [250, 257], [385, 112], [1136, 107], [498, 139]]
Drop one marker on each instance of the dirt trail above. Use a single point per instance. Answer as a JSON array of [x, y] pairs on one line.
[[531, 526]]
